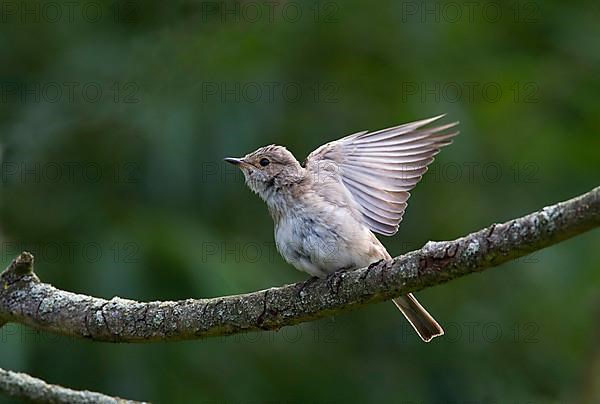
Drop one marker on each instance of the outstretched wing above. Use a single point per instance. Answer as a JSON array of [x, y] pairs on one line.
[[379, 168]]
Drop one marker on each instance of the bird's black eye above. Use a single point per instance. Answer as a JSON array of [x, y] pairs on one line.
[[264, 162]]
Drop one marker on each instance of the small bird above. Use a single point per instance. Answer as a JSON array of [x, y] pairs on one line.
[[326, 209]]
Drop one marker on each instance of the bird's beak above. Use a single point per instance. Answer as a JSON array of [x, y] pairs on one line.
[[240, 162], [234, 161]]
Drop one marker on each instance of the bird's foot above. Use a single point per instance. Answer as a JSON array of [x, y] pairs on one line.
[[306, 283], [341, 270], [373, 265]]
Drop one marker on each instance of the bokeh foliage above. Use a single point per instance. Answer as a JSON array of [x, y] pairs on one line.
[[115, 117]]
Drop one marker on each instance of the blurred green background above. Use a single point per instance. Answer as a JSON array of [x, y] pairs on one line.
[[115, 117]]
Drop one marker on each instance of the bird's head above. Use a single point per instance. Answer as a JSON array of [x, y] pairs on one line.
[[269, 169]]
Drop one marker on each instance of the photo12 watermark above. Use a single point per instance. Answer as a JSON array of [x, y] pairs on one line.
[[22, 12], [269, 92], [23, 334], [468, 172], [470, 12], [238, 252], [267, 12], [68, 172], [470, 92], [321, 332], [75, 252], [487, 332], [479, 172], [69, 92]]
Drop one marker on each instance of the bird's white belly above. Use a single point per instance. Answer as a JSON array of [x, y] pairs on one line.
[[313, 245]]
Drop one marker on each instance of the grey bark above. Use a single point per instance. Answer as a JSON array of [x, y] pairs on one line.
[[24, 386], [24, 299]]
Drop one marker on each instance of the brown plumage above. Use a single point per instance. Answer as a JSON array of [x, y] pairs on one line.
[[326, 209]]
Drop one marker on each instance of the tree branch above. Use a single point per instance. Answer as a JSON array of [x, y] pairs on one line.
[[24, 299], [24, 386]]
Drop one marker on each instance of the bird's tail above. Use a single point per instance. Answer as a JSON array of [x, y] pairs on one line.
[[423, 323]]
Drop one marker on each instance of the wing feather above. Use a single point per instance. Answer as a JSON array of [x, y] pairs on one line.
[[402, 136], [380, 168]]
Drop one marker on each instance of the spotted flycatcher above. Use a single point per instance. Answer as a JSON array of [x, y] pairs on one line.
[[326, 209]]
